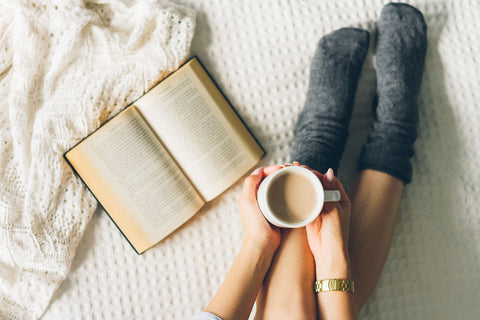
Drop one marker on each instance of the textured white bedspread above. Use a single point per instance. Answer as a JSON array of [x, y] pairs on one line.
[[259, 52]]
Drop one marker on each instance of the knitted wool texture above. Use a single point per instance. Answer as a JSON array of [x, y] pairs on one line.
[[65, 68]]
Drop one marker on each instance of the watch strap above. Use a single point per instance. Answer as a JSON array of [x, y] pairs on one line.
[[335, 285]]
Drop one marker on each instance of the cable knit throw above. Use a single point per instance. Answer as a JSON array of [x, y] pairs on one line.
[[65, 68]]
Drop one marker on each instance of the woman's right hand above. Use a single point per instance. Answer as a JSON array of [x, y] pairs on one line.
[[328, 234], [257, 230]]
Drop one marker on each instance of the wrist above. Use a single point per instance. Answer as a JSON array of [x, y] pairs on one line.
[[263, 247], [336, 266], [259, 255]]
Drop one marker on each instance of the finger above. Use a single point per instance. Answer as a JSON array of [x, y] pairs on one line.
[[271, 169], [251, 183], [297, 164], [330, 182], [330, 175], [343, 195], [335, 183]]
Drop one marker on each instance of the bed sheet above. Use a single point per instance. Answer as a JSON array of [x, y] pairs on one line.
[[259, 53]]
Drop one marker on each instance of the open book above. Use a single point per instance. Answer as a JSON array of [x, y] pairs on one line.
[[156, 163]]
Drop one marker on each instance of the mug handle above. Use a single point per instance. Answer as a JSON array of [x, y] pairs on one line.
[[331, 195]]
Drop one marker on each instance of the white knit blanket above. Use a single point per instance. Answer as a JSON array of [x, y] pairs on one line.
[[65, 67]]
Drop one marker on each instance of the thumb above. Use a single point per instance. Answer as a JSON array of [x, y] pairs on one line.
[[251, 183], [330, 182]]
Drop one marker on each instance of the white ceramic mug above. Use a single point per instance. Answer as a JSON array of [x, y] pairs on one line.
[[322, 196]]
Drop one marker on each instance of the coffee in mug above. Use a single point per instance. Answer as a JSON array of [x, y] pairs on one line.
[[292, 197]]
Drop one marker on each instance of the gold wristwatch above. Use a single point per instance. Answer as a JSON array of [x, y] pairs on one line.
[[335, 285]]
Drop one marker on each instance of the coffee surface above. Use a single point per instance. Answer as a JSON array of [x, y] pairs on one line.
[[291, 197]]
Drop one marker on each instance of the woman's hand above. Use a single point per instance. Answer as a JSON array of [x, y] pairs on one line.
[[235, 298], [328, 234], [257, 230], [328, 240]]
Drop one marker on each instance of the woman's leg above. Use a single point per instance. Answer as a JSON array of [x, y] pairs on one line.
[[375, 203], [322, 125], [384, 164], [320, 136], [287, 291], [385, 161]]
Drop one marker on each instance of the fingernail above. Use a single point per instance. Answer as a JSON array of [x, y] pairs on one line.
[[257, 171], [330, 175]]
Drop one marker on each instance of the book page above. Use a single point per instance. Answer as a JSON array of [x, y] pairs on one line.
[[212, 149], [135, 179]]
